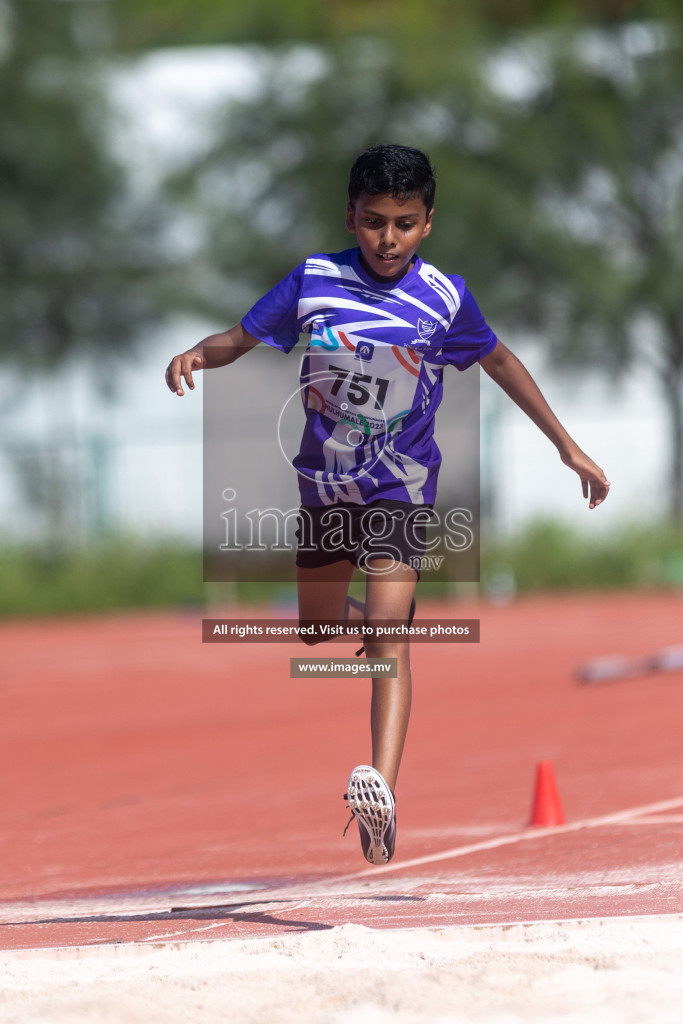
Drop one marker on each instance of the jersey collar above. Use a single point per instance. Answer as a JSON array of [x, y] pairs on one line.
[[387, 285]]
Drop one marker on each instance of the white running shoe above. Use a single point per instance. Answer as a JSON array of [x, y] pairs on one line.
[[373, 806]]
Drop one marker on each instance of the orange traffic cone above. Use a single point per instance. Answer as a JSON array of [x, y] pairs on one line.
[[547, 808]]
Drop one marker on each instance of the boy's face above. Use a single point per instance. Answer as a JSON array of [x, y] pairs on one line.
[[388, 232]]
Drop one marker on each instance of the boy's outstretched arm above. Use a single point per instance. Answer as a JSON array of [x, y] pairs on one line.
[[514, 378], [216, 350]]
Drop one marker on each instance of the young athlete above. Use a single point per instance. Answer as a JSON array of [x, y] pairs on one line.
[[382, 325]]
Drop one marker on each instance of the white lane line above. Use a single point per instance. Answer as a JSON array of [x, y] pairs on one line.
[[185, 934], [528, 835], [658, 819]]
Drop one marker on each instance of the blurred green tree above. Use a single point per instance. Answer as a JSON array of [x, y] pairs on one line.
[[141, 24], [76, 255], [591, 145]]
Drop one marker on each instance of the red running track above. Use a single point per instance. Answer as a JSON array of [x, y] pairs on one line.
[[158, 789]]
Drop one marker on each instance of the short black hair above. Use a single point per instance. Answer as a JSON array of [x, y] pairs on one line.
[[396, 171]]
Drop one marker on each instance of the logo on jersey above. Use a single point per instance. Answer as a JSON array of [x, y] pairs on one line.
[[426, 328], [364, 350]]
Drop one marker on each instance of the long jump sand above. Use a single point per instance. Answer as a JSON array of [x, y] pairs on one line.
[[619, 971]]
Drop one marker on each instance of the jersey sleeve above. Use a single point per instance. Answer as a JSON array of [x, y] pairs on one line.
[[274, 317], [469, 338]]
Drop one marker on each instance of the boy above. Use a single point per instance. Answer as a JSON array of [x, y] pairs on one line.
[[382, 326]]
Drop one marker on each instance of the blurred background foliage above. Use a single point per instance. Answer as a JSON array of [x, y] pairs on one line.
[[76, 254], [126, 573], [556, 129]]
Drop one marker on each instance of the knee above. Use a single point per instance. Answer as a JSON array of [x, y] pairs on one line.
[[310, 634], [310, 640], [385, 649]]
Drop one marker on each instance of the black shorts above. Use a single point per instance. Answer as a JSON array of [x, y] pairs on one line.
[[359, 533]]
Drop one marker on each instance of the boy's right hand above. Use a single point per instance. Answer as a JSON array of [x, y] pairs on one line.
[[182, 366]]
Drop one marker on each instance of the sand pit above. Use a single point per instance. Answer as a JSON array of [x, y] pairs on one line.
[[617, 971]]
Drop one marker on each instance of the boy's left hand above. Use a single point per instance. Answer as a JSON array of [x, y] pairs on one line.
[[594, 483]]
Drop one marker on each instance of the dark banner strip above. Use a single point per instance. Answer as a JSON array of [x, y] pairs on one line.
[[259, 631]]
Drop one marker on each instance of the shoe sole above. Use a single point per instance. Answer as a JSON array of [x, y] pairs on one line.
[[372, 804]]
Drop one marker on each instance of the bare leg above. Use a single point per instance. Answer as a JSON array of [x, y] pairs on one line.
[[354, 611], [322, 596], [388, 597]]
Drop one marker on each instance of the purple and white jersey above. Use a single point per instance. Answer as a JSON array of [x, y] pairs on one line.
[[371, 377]]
